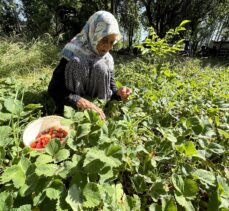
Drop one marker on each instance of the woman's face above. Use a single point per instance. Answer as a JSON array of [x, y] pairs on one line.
[[106, 44]]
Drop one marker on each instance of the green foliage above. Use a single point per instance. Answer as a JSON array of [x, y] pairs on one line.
[[164, 149], [160, 48]]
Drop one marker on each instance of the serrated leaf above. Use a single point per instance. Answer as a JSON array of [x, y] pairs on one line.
[[73, 144], [46, 170], [83, 130], [63, 154], [74, 198], [170, 205], [5, 116], [224, 186], [96, 154], [24, 164], [66, 122], [178, 182], [69, 168], [105, 174], [91, 195], [13, 106], [55, 190], [14, 173], [134, 202], [43, 159], [139, 183], [195, 125], [26, 207], [184, 203], [6, 201], [157, 191], [5, 132], [205, 176], [223, 133], [190, 148], [112, 149], [216, 148], [53, 147], [190, 188]]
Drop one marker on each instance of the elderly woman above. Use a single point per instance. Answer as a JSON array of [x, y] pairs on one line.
[[86, 68]]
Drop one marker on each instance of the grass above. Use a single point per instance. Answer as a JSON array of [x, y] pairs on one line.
[[29, 61]]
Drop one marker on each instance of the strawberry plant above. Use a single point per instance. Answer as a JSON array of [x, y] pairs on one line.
[[165, 149]]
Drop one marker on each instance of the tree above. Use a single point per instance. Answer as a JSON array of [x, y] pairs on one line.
[[129, 16], [9, 20], [203, 14]]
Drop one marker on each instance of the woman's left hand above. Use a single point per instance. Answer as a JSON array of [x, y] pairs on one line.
[[124, 92]]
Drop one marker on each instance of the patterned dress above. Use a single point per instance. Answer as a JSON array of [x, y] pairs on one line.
[[81, 71]]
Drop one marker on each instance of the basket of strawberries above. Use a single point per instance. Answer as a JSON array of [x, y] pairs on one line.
[[40, 132]]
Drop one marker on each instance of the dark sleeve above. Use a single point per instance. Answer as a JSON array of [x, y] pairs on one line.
[[56, 86], [114, 88], [72, 99]]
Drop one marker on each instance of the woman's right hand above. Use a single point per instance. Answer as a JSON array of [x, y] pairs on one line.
[[85, 104]]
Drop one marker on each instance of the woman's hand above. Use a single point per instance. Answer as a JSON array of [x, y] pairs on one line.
[[83, 103], [124, 92]]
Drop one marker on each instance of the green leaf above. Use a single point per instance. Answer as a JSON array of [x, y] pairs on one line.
[[6, 201], [157, 191], [171, 205], [224, 133], [112, 149], [43, 159], [214, 201], [195, 124], [46, 170], [171, 138], [190, 148], [26, 207], [75, 198], [139, 183], [2, 154], [184, 203], [178, 182], [70, 167], [184, 22], [96, 154], [5, 132], [105, 173], [216, 148], [190, 188], [134, 202], [155, 207], [54, 192], [83, 130], [73, 144], [91, 195], [14, 173], [53, 147], [13, 106], [63, 154], [118, 84], [5, 116], [33, 106], [205, 177], [66, 122], [223, 185]]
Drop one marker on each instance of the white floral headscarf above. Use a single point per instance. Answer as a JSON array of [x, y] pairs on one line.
[[99, 25]]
